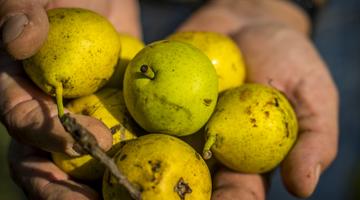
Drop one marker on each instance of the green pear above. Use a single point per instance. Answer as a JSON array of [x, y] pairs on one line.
[[170, 87]]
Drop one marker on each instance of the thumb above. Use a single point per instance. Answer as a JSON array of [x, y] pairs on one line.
[[24, 25]]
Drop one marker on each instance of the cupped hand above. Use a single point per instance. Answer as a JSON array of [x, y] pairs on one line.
[[25, 25], [279, 54], [33, 170], [30, 115]]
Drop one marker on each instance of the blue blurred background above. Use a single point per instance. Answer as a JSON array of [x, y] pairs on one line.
[[337, 37]]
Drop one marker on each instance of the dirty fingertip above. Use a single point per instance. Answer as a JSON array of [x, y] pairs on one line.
[[101, 133]]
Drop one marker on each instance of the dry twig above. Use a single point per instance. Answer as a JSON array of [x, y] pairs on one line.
[[89, 144]]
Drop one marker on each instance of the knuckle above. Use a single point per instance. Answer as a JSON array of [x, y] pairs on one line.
[[21, 116]]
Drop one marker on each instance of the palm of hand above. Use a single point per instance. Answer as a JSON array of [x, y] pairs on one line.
[[286, 60]]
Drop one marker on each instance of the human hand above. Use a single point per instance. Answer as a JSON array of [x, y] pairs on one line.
[[278, 53], [30, 115], [34, 171], [25, 24]]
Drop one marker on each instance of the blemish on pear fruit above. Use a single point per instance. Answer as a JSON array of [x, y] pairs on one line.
[[207, 102], [138, 166], [182, 188], [276, 102], [115, 128], [248, 110], [123, 157], [245, 94], [155, 165], [267, 114], [163, 100], [253, 121], [287, 129]]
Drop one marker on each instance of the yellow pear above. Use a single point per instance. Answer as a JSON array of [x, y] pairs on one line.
[[108, 106], [223, 53], [78, 57], [252, 129], [162, 167], [130, 46]]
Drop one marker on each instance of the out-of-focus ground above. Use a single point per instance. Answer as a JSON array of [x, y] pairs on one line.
[[8, 189]]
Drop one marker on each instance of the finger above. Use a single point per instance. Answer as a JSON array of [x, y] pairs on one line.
[[31, 117], [41, 179], [124, 15], [24, 26], [213, 17], [317, 144], [230, 185]]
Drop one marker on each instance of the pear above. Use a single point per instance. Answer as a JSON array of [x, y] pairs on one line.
[[162, 167], [252, 129], [223, 53], [78, 57], [170, 87], [108, 106], [130, 46]]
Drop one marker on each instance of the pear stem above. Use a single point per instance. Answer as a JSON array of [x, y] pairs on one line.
[[207, 154], [59, 100], [147, 71]]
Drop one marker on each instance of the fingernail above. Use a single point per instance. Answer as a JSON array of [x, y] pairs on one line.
[[74, 151], [317, 174], [13, 27], [78, 149]]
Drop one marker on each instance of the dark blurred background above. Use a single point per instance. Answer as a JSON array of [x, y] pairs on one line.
[[337, 37], [8, 189]]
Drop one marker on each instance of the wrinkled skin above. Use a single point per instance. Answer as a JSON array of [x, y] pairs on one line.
[[272, 37]]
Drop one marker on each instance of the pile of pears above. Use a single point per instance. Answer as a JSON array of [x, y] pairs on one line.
[[170, 105]]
